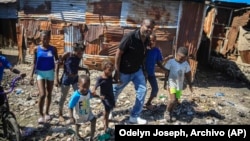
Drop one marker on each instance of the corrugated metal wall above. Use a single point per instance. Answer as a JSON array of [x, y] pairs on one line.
[[70, 11], [190, 30], [72, 35], [8, 37], [109, 21], [8, 19], [8, 11], [165, 13], [34, 9], [100, 12], [190, 27], [57, 35]]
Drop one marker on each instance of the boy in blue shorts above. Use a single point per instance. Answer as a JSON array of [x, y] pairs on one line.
[[179, 69]]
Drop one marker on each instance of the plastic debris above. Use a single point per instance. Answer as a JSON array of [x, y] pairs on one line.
[[218, 94], [19, 91]]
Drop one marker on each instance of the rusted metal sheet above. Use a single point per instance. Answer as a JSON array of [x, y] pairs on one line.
[[45, 25], [165, 13], [57, 36], [69, 11], [113, 34], [127, 30], [165, 39], [95, 61], [109, 49], [33, 27], [190, 30], [72, 35], [8, 11], [8, 33], [193, 65], [19, 34], [94, 32], [111, 40], [31, 32], [100, 12], [93, 48], [109, 21]]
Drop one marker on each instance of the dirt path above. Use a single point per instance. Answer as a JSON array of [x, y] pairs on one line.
[[217, 100]]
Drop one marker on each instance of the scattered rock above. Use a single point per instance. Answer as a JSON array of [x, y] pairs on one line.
[[211, 103]]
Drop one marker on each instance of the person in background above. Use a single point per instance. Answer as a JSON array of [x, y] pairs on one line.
[[129, 65], [45, 57], [5, 64], [105, 82], [70, 62], [79, 107], [153, 57], [178, 69]]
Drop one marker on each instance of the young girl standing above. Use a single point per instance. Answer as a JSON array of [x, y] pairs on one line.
[[45, 57], [70, 62], [105, 82]]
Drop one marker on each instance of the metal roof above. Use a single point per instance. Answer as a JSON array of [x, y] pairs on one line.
[[7, 1]]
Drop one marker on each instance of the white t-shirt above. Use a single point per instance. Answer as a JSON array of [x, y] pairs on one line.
[[177, 73], [81, 106]]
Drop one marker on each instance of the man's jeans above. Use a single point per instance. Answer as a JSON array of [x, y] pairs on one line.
[[139, 82]]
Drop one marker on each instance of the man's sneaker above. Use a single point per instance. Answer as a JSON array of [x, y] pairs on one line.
[[137, 120], [110, 115]]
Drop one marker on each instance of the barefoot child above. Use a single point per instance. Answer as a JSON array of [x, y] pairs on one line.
[[70, 62], [79, 107], [153, 57], [105, 82], [178, 69]]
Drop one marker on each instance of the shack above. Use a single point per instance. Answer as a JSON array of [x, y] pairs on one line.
[[101, 24]]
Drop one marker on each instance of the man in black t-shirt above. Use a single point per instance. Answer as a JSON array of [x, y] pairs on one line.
[[129, 63]]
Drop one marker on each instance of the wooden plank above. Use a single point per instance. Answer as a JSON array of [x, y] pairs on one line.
[[19, 29]]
